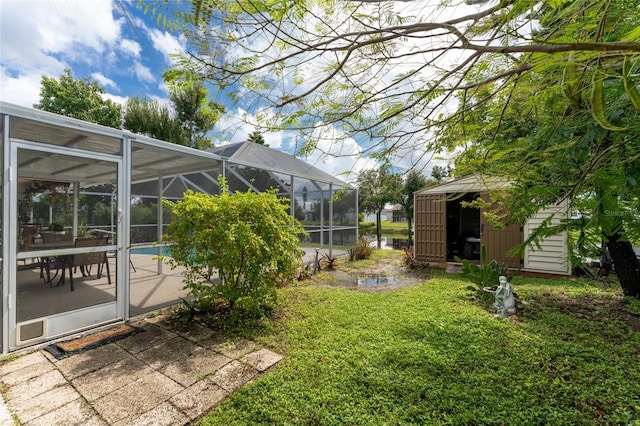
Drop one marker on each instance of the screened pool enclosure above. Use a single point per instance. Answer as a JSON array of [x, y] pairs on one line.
[[82, 221]]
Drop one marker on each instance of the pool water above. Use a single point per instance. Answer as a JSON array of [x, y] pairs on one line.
[[153, 251]]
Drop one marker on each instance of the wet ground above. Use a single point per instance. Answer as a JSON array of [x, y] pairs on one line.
[[375, 279]]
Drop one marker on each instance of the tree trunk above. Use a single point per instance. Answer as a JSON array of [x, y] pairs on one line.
[[379, 227], [626, 264], [410, 243]]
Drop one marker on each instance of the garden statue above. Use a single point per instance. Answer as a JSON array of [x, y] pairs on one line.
[[510, 301], [504, 300]]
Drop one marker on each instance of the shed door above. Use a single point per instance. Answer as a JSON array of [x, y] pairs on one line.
[[430, 227], [500, 241]]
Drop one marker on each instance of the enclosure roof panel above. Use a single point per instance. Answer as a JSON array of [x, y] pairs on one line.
[[150, 157], [254, 154]]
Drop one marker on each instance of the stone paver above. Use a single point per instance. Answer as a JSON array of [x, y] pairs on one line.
[[110, 378], [199, 398], [234, 350], [151, 336], [136, 398], [262, 359], [27, 410], [27, 373], [77, 412], [85, 362], [196, 365], [35, 386], [164, 414], [21, 362], [233, 375], [165, 375], [163, 354]]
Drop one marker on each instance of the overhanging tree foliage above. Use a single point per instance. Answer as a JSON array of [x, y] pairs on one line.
[[566, 131], [392, 72], [384, 69]]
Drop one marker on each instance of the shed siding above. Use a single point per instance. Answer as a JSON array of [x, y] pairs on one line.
[[430, 227], [553, 254]]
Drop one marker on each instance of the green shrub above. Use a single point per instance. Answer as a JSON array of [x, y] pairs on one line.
[[408, 258], [328, 262], [362, 250], [248, 238], [485, 274], [56, 227]]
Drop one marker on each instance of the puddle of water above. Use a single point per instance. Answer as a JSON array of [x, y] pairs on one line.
[[371, 280]]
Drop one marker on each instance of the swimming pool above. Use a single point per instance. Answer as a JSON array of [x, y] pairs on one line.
[[153, 251]]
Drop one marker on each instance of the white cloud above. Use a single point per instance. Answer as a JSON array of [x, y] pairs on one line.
[[42, 38], [143, 73], [120, 100], [54, 26], [337, 154], [22, 90], [130, 47], [166, 43], [104, 81]]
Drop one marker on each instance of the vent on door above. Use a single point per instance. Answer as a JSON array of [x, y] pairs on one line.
[[31, 331]]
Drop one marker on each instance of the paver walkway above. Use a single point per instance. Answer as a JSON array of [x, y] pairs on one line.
[[166, 375]]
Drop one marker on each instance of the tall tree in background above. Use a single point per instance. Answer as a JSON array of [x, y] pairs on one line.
[[152, 119], [186, 123], [376, 188], [194, 111], [256, 137], [440, 172], [413, 181], [81, 99]]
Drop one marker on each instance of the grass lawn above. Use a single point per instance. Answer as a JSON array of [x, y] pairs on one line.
[[430, 354]]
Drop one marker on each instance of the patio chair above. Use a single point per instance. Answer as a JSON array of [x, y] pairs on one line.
[[50, 266], [84, 261]]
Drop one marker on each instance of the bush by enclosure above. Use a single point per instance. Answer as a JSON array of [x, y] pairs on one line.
[[248, 238]]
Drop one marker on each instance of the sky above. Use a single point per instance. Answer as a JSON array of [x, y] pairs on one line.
[[120, 47]]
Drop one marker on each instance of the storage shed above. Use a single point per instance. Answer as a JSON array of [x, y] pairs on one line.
[[445, 228]]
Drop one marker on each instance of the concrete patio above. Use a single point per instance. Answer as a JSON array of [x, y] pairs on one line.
[[167, 374]]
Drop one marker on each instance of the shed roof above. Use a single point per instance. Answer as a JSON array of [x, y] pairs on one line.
[[471, 183], [254, 154]]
